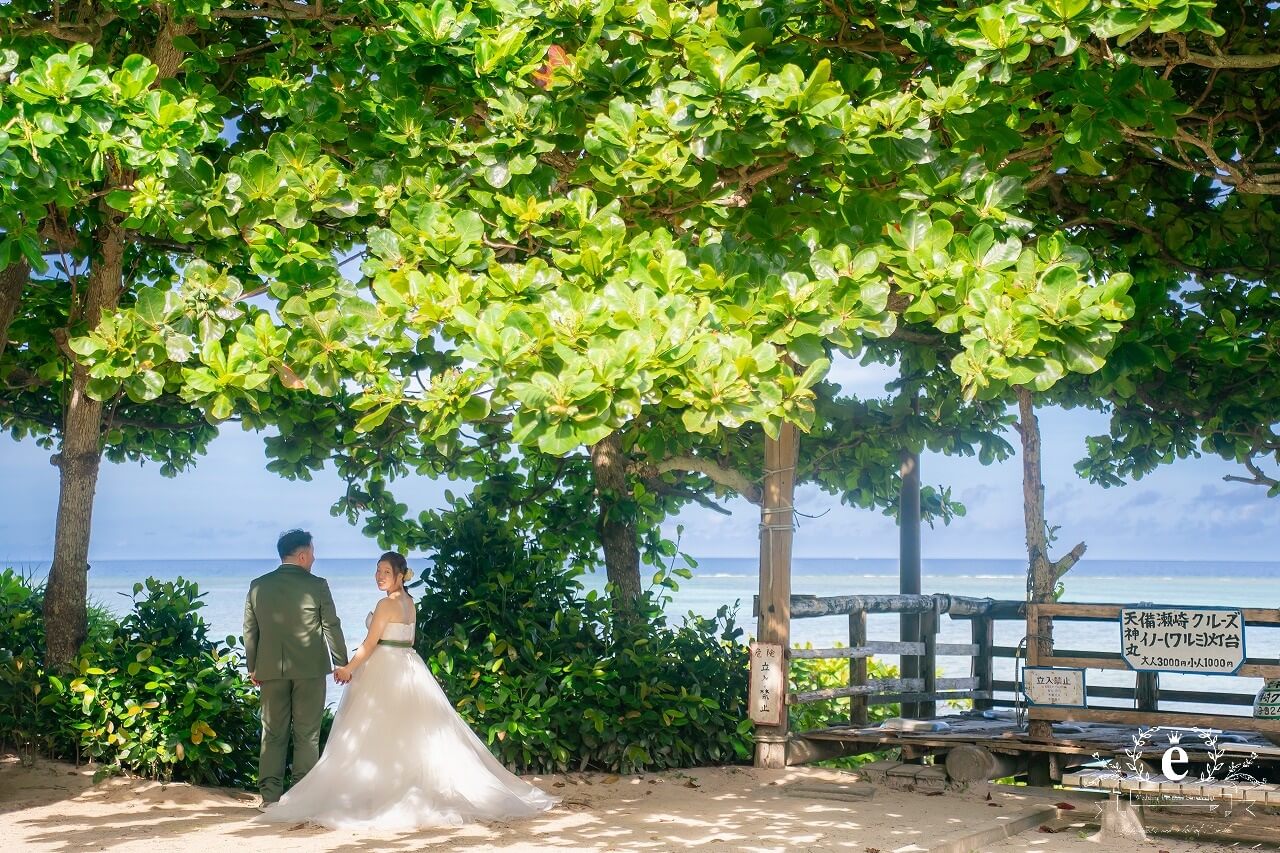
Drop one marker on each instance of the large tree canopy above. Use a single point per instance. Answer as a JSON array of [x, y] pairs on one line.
[[638, 228]]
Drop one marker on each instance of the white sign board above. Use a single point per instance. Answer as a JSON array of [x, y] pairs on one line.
[[1060, 687], [1196, 640], [768, 685]]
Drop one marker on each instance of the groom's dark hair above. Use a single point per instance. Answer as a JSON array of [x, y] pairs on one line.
[[291, 541]]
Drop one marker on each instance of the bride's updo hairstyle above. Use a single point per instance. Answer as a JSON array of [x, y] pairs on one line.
[[398, 564]]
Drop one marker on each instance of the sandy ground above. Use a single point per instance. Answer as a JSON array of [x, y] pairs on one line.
[[54, 807]]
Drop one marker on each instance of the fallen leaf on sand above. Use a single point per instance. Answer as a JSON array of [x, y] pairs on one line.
[[691, 784], [995, 805], [610, 780]]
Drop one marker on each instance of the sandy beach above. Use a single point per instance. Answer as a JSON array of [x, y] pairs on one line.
[[49, 806]]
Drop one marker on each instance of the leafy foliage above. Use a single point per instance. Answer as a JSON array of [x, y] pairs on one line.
[[547, 674], [151, 694]]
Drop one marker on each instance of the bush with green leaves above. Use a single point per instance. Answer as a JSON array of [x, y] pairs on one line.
[[160, 698], [552, 678], [150, 693]]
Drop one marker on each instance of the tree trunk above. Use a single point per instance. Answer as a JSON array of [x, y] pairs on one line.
[[78, 461], [617, 525], [1040, 580], [13, 280], [777, 515]]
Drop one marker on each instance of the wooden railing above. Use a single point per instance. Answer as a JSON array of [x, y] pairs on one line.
[[1146, 693], [919, 696]]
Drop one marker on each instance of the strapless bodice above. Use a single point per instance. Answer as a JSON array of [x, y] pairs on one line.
[[400, 632]]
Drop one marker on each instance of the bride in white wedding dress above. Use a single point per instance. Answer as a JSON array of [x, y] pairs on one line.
[[399, 757]]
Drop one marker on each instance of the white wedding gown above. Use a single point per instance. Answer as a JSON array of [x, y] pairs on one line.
[[400, 758]]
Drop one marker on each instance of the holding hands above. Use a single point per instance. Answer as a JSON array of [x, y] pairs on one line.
[[342, 675]]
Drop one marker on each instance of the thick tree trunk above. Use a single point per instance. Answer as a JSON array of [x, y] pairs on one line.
[[78, 462], [13, 280], [617, 526]]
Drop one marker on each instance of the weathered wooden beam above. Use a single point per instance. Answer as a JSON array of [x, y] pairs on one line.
[[939, 696], [866, 650], [881, 685], [873, 686], [1226, 722], [970, 763], [811, 606]]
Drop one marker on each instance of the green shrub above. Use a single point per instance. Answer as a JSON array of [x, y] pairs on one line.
[[551, 679], [21, 642], [161, 699], [150, 693]]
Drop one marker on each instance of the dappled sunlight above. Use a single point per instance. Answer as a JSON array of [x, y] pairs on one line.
[[707, 810]]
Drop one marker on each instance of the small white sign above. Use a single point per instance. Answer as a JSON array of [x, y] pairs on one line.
[[768, 685], [1061, 687], [1199, 640]]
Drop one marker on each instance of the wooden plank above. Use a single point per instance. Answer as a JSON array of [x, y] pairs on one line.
[[875, 685], [866, 650], [1106, 692], [812, 606], [939, 696], [965, 650], [1252, 615], [1225, 722], [1095, 661], [858, 706]]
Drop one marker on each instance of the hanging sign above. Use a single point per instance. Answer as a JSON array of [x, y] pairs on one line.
[[768, 684], [1192, 640], [1053, 686]]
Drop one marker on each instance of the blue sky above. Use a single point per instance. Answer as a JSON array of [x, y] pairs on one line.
[[229, 506]]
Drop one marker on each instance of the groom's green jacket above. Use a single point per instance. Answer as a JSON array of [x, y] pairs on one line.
[[291, 629]]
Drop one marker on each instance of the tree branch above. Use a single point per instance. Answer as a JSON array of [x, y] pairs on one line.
[[709, 468], [1259, 478]]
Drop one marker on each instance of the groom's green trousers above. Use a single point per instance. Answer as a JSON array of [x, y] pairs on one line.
[[289, 703]]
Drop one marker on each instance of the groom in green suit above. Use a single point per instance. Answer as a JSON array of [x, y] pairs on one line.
[[291, 636]]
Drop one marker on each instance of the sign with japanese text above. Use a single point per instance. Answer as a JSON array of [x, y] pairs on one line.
[[1060, 687], [768, 685], [1199, 640]]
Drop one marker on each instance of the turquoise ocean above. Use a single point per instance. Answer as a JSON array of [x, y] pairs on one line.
[[719, 581]]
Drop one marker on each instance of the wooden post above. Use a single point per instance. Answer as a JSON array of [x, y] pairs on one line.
[[776, 518], [858, 668], [929, 664], [983, 631], [1147, 691], [909, 566]]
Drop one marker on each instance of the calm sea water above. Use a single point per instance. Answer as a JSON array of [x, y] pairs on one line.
[[719, 581]]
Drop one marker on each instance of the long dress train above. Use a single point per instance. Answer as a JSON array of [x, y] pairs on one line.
[[399, 757]]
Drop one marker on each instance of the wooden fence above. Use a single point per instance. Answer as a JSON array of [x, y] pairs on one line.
[[919, 696]]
